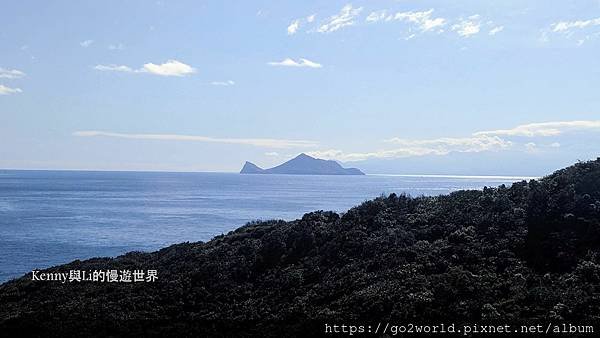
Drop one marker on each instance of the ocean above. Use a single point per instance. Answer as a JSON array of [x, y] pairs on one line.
[[54, 217]]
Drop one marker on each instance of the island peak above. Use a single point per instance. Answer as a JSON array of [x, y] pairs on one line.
[[303, 164]]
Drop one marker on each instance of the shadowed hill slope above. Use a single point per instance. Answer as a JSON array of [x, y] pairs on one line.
[[527, 253]]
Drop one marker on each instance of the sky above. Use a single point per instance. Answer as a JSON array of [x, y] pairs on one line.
[[478, 87]]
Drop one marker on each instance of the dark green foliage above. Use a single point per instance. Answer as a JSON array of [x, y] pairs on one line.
[[525, 253]]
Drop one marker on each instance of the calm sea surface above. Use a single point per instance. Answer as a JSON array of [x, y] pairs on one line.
[[54, 217]]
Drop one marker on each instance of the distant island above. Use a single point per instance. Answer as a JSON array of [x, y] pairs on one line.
[[303, 165]]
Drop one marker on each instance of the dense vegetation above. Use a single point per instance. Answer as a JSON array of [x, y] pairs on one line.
[[525, 253]]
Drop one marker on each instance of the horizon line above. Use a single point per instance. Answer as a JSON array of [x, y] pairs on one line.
[[237, 172]]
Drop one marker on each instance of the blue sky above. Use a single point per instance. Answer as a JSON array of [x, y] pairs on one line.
[[189, 85]]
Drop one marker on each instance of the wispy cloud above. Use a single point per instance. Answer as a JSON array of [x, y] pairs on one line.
[[258, 142], [578, 30], [287, 62], [293, 27], [410, 148], [340, 155], [169, 68], [86, 43], [4, 90], [567, 26], [115, 68], [10, 73], [544, 128], [468, 144], [493, 140], [531, 147], [418, 22], [423, 20], [346, 17], [223, 83], [376, 16], [468, 27], [496, 30]]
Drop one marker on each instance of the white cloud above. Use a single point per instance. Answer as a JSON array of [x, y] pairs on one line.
[[272, 153], [566, 26], [581, 30], [410, 148], [544, 128], [424, 20], [10, 73], [115, 68], [496, 30], [530, 147], [376, 16], [468, 27], [287, 62], [338, 155], [4, 90], [475, 143], [494, 140], [293, 27], [86, 43], [169, 68], [344, 18], [258, 142], [418, 21], [223, 83]]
